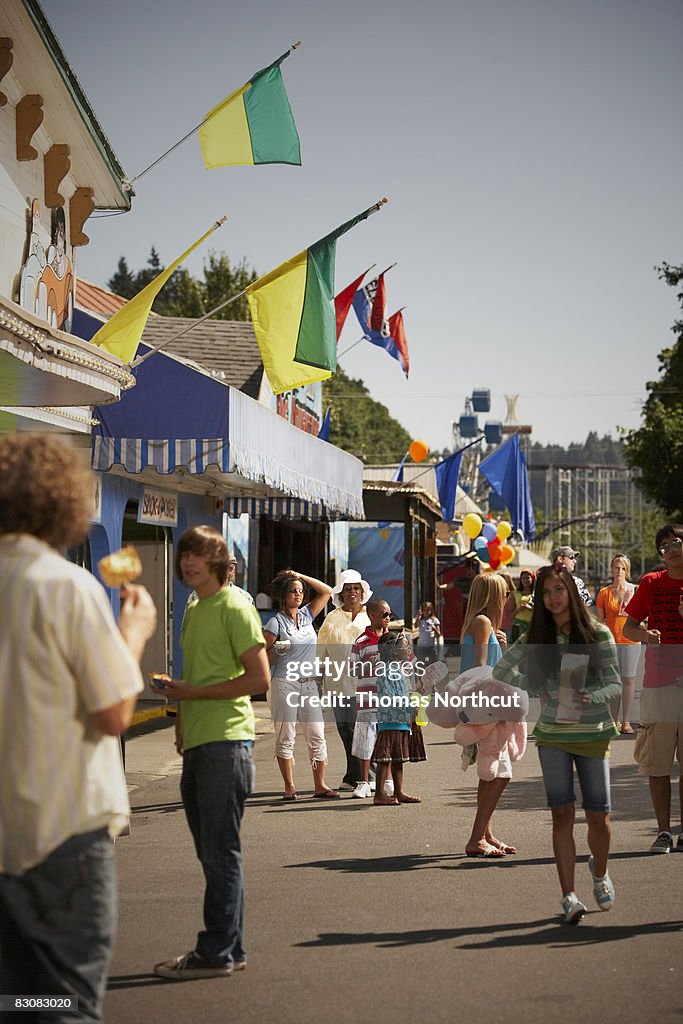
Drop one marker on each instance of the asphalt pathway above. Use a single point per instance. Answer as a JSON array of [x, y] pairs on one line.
[[367, 914]]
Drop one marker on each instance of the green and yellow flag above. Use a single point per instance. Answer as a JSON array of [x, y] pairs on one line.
[[253, 125], [292, 310], [122, 332]]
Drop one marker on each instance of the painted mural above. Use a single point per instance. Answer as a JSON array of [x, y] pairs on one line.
[[47, 282]]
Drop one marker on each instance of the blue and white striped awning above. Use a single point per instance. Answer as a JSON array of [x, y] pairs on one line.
[[136, 454], [281, 508]]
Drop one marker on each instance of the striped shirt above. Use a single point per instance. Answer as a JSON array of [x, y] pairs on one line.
[[62, 659]]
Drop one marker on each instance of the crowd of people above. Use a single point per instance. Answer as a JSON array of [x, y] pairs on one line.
[[71, 677]]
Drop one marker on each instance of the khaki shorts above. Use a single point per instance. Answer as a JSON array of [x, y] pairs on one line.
[[660, 730]]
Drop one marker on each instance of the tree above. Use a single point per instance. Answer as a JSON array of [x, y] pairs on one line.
[[222, 280], [359, 424], [656, 447], [184, 295], [123, 282]]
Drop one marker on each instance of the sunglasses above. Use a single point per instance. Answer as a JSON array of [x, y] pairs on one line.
[[670, 545], [295, 591], [386, 615]]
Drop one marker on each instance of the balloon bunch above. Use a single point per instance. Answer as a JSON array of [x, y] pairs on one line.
[[489, 540]]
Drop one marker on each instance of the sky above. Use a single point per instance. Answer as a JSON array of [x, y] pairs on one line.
[[531, 151]]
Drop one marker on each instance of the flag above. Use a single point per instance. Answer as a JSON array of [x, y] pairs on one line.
[[378, 313], [324, 432], [362, 304], [342, 302], [292, 310], [446, 483], [253, 125], [122, 332], [397, 478], [398, 336], [506, 471]]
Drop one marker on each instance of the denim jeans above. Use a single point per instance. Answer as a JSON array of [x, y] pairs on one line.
[[217, 778], [57, 926]]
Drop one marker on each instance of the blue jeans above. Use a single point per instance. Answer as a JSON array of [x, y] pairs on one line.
[[57, 926], [558, 777], [217, 779]]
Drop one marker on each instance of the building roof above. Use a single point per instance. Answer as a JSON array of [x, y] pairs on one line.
[[80, 103], [97, 300], [227, 348]]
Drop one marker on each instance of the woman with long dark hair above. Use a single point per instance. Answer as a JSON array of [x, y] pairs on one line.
[[569, 660]]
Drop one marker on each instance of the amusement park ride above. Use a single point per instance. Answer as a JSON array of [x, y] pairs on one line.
[[478, 442]]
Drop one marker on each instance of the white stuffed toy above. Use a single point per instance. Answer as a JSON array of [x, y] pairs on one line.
[[484, 711]]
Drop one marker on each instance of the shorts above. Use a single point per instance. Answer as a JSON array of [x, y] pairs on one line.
[[502, 770], [629, 656], [364, 735], [558, 778], [659, 730]]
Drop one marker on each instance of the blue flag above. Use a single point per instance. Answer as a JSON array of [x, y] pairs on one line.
[[397, 478], [324, 432], [446, 483], [506, 471], [362, 304]]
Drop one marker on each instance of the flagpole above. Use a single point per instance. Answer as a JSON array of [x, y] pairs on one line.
[[433, 465], [141, 359], [127, 183]]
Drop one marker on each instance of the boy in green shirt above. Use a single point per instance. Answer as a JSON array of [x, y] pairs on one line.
[[224, 664]]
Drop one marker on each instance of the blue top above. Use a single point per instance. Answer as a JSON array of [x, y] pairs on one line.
[[467, 652], [301, 634]]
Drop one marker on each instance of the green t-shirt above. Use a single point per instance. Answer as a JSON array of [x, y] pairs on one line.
[[216, 631]]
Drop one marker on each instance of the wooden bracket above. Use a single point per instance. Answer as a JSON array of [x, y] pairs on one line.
[[29, 119], [57, 166], [81, 206], [6, 59]]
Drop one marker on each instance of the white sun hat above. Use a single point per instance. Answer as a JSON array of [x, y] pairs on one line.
[[350, 576]]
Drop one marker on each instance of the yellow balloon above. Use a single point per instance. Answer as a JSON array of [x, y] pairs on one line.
[[504, 530], [418, 451], [472, 525]]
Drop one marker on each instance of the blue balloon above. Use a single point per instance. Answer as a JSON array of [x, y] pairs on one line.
[[488, 531], [480, 544]]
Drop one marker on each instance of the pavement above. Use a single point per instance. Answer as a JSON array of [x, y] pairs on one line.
[[364, 914]]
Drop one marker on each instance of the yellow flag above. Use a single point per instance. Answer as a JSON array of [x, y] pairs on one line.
[[121, 334]]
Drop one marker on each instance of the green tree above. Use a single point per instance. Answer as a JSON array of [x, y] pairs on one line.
[[222, 280], [656, 447], [359, 424], [123, 282]]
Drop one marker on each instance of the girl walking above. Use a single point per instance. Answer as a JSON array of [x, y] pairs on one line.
[[569, 659]]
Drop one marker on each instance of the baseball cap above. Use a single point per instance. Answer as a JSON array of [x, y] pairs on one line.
[[566, 550]]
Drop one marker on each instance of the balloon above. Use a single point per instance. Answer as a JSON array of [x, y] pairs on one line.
[[483, 556], [472, 525], [495, 545], [504, 530], [488, 530], [506, 554], [481, 545], [495, 561], [418, 451]]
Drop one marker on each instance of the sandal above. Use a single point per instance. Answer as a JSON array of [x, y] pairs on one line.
[[289, 796], [488, 851], [328, 794], [626, 729]]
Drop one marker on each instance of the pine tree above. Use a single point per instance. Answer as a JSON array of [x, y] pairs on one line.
[[122, 282]]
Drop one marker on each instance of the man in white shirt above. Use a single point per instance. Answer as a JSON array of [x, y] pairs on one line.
[[69, 680]]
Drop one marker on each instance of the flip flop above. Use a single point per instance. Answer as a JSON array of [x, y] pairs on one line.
[[289, 796], [391, 801], [490, 851], [328, 794], [504, 848]]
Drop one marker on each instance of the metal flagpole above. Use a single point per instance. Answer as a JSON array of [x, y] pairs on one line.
[[233, 298], [128, 183]]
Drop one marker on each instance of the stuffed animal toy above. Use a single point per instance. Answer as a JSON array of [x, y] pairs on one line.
[[476, 721]]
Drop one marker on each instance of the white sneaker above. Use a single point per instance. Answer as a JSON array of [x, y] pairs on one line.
[[603, 888], [362, 790], [573, 909], [373, 786], [389, 787]]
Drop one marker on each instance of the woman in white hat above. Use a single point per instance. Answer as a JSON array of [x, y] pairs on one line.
[[338, 633]]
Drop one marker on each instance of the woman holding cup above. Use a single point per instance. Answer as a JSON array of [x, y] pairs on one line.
[[291, 642]]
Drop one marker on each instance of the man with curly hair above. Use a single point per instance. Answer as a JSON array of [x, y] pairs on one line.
[[69, 679]]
